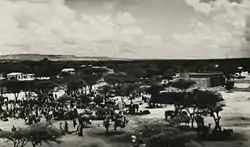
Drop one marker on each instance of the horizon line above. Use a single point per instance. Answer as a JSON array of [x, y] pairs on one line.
[[123, 58]]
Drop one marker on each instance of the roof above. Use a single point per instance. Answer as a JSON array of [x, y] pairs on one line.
[[205, 74], [14, 73], [68, 69]]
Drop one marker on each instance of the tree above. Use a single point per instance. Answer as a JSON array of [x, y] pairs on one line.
[[154, 90], [15, 87], [211, 102], [183, 84], [65, 98], [27, 88], [91, 76], [168, 138], [35, 134], [168, 74], [17, 138], [229, 85], [118, 81], [19, 67], [42, 88], [134, 69], [84, 99], [2, 86], [106, 91], [151, 69], [131, 91], [155, 133], [74, 84], [120, 78], [42, 132]]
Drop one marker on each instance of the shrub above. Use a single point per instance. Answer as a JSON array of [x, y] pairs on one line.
[[170, 138], [145, 112]]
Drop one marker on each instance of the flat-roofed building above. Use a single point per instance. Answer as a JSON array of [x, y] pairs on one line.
[[15, 76], [207, 79], [20, 76], [70, 71]]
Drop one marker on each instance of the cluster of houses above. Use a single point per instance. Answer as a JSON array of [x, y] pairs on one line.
[[28, 77], [202, 79]]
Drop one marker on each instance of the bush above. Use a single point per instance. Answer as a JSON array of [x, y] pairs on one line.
[[145, 112], [93, 142], [150, 128], [157, 133], [171, 138], [35, 134]]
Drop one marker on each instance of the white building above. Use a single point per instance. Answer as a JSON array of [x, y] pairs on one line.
[[20, 76], [15, 76], [69, 71], [29, 77]]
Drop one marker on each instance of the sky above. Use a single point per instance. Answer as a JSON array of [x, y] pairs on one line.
[[137, 29]]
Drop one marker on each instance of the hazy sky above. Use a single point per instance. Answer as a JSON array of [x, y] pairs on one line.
[[127, 28]]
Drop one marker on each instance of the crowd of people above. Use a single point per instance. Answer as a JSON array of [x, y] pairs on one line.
[[33, 111]]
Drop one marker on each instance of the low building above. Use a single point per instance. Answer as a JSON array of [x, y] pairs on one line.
[[15, 76], [2, 77], [29, 77], [20, 76], [70, 71], [206, 80]]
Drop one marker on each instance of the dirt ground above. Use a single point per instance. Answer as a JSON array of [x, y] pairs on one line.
[[236, 115]]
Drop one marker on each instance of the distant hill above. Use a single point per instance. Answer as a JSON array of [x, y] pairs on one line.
[[37, 57]]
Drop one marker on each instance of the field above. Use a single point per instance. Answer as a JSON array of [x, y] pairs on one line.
[[235, 115]]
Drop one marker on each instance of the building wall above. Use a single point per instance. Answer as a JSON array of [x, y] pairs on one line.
[[211, 80], [18, 77], [217, 80], [202, 82]]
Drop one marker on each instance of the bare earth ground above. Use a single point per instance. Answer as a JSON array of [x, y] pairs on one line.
[[236, 115]]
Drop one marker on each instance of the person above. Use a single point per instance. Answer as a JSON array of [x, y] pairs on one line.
[[119, 116], [61, 126], [13, 128], [66, 127], [74, 123], [50, 114]]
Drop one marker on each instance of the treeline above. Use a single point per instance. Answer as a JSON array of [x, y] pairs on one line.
[[53, 68]]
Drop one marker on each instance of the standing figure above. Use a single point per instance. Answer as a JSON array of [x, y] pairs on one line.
[[61, 126], [13, 128], [74, 123], [66, 127]]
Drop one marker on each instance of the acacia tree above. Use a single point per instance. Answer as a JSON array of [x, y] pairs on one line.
[[2, 85], [92, 76], [183, 84], [212, 102], [15, 87], [27, 88], [75, 84], [154, 90], [16, 138], [168, 75], [42, 88], [106, 91], [118, 81], [229, 85], [131, 91], [39, 133], [173, 98], [36, 134], [190, 104]]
